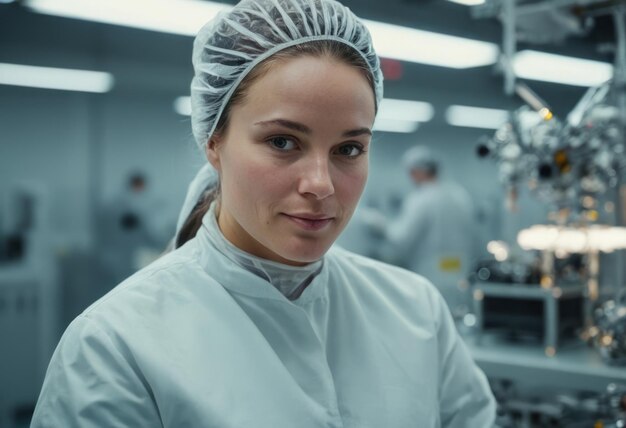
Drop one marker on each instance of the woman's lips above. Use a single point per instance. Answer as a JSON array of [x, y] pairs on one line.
[[310, 223]]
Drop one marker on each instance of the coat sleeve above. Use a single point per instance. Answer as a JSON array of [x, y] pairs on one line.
[[90, 382], [465, 398]]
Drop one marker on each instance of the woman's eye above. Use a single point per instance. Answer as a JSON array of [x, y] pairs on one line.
[[350, 150], [282, 143]]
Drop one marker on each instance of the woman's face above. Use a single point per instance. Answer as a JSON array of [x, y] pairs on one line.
[[293, 161]]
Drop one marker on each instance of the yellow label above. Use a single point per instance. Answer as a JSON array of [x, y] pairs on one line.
[[450, 264]]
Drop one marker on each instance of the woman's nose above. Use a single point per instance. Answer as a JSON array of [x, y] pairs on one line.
[[315, 178]]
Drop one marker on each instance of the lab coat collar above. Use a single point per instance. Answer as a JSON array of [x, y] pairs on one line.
[[237, 279]]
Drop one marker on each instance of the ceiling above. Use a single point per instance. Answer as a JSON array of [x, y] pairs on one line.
[[145, 60]]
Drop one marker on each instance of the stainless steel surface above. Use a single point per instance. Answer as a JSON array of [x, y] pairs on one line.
[[574, 367]]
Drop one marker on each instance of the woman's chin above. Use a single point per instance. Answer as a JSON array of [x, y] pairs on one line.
[[302, 257]]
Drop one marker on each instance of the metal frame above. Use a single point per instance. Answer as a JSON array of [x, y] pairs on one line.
[[509, 10], [550, 297]]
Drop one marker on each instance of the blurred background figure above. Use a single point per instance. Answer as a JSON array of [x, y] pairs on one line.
[[131, 232], [433, 232]]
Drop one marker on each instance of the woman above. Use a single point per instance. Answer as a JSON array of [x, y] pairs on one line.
[[253, 321]]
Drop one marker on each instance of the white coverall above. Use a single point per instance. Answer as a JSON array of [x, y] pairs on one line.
[[434, 236], [194, 340]]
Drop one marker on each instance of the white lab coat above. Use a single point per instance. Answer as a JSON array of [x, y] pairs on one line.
[[434, 236], [195, 341]]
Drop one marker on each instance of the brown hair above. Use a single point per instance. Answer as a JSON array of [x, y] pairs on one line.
[[319, 48]]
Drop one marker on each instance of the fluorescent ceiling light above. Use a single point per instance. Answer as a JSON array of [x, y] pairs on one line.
[[468, 2], [535, 65], [184, 17], [417, 111], [394, 125], [476, 117], [55, 78], [182, 106], [393, 115], [402, 116], [425, 47]]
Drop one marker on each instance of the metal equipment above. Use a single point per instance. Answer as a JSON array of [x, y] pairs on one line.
[[574, 165], [528, 310], [554, 296], [571, 410], [609, 332], [570, 163]]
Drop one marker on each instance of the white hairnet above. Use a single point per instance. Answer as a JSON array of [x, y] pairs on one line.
[[206, 178], [229, 46], [420, 157]]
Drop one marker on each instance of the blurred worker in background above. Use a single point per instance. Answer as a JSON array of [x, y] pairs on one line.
[[433, 233]]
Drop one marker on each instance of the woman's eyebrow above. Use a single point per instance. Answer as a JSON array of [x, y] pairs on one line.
[[357, 132], [296, 126], [287, 124]]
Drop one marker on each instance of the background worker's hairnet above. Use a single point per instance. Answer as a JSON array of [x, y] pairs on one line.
[[420, 157], [229, 46]]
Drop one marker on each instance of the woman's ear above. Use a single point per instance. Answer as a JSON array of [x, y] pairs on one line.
[[212, 152]]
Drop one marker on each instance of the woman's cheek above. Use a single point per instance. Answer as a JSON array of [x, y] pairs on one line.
[[260, 178], [353, 182]]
